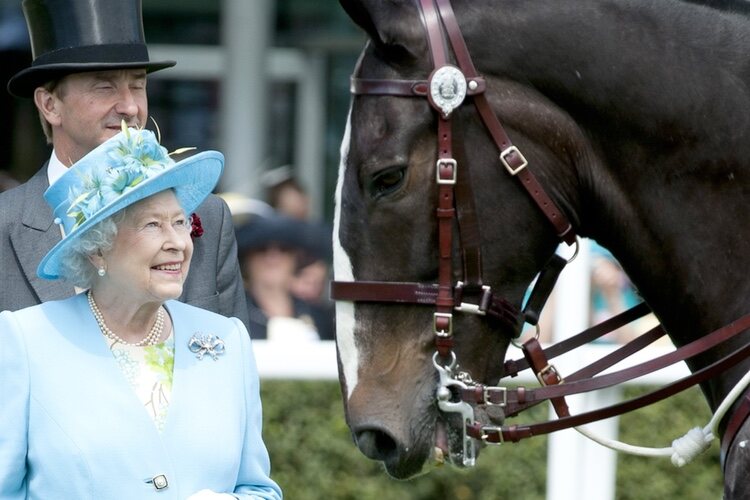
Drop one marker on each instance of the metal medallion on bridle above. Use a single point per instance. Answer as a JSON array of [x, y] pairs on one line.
[[447, 89]]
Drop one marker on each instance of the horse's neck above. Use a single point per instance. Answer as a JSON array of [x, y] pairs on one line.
[[658, 89], [683, 248]]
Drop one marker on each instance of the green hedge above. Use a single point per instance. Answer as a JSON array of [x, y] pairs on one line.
[[313, 456]]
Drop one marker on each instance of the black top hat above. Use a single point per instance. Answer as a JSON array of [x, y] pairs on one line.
[[73, 36]]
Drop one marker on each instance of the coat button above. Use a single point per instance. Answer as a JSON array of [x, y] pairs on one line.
[[160, 482]]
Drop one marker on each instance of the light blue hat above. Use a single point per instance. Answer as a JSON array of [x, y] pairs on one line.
[[127, 168]]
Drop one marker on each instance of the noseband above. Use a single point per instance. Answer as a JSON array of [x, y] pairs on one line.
[[446, 89]]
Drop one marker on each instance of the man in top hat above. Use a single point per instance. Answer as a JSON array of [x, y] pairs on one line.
[[88, 75]]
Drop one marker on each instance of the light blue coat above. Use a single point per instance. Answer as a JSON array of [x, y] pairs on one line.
[[71, 426]]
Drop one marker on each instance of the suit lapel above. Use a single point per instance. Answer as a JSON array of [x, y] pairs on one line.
[[35, 236]]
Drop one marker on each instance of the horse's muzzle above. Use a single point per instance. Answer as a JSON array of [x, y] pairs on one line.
[[377, 443]]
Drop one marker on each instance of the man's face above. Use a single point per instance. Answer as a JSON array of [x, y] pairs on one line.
[[89, 108]]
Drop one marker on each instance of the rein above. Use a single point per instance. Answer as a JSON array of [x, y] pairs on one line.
[[446, 89]]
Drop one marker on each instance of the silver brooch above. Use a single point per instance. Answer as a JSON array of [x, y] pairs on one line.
[[206, 343], [447, 89]]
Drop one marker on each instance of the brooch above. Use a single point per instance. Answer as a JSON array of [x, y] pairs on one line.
[[205, 343]]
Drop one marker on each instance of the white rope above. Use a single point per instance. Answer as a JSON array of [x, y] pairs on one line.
[[684, 449]]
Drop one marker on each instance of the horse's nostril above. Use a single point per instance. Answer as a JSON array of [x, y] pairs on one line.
[[376, 444]]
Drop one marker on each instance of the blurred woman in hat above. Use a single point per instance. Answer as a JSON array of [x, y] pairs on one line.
[[270, 247], [122, 391]]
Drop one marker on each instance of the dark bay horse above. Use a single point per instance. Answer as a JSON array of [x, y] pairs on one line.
[[634, 116]]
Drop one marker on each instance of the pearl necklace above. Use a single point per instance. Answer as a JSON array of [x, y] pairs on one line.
[[152, 338]]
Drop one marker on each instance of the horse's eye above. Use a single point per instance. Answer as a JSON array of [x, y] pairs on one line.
[[386, 182]]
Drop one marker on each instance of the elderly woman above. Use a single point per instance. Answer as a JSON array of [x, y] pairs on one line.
[[122, 391]]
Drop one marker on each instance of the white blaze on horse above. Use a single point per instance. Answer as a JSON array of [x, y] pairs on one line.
[[347, 348], [481, 134]]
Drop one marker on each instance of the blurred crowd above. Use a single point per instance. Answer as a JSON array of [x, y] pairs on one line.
[[610, 293], [285, 259]]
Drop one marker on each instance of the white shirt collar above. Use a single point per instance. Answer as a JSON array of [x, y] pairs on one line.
[[55, 168]]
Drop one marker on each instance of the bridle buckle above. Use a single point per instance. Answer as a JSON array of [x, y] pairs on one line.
[[441, 331], [549, 371], [486, 395], [513, 169], [479, 309], [454, 171], [493, 429]]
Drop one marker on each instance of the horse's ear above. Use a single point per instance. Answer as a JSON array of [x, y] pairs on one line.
[[357, 10], [393, 26]]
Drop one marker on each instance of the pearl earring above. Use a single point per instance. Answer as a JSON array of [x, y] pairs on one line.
[[101, 272]]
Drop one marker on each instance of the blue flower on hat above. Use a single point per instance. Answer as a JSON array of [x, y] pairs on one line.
[[93, 204], [123, 178], [141, 150], [137, 157]]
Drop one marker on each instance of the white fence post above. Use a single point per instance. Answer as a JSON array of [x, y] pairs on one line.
[[577, 468]]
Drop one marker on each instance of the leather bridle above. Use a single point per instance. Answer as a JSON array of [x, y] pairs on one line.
[[446, 89]]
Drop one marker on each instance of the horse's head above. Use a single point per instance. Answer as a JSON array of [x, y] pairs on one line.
[[389, 203]]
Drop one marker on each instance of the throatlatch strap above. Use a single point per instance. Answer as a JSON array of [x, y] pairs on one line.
[[543, 287]]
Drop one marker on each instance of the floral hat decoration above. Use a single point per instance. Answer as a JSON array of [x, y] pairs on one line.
[[125, 169]]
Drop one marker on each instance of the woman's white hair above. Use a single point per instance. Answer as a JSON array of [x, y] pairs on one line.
[[75, 264]]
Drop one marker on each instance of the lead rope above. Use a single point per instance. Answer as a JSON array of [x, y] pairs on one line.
[[685, 448]]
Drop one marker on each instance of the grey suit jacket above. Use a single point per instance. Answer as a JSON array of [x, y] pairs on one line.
[[27, 234]]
